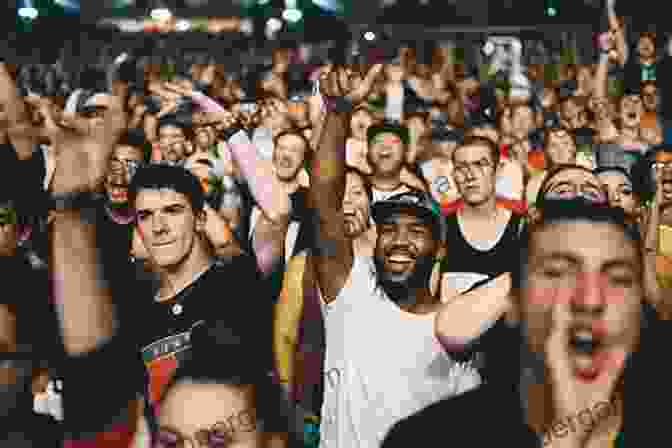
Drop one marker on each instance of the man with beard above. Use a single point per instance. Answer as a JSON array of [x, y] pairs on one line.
[[299, 325], [579, 298], [382, 360]]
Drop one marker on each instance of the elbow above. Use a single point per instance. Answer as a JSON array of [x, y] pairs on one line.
[[450, 340]]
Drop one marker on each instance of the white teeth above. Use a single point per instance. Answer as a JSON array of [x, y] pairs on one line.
[[400, 258]]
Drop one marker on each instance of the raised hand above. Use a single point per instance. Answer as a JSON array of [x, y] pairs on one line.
[[82, 146], [336, 83], [572, 395]]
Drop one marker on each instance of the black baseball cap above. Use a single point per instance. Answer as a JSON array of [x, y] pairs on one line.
[[388, 127], [419, 203]]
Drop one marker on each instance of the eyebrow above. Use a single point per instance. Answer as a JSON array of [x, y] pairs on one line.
[[466, 162], [574, 259], [165, 207]]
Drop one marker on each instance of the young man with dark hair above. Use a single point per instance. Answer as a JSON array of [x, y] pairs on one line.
[[169, 205], [578, 296]]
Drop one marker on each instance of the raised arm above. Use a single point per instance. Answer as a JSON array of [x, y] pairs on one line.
[[333, 250], [618, 33], [84, 302]]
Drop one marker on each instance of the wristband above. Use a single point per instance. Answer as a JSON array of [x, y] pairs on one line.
[[339, 105], [72, 201]]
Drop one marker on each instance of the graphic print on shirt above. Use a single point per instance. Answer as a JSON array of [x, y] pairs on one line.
[[161, 358]]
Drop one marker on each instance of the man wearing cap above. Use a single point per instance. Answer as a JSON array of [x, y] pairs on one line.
[[383, 361]]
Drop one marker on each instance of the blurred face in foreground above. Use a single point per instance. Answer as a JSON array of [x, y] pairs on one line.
[[593, 271]]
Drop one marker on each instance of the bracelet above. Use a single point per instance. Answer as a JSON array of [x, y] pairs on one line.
[[77, 200], [339, 105]]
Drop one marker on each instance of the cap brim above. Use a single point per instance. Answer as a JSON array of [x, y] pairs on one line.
[[382, 210]]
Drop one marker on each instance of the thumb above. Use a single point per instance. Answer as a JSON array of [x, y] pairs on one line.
[[557, 343]]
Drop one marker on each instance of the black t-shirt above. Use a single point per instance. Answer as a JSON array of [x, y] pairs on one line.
[[31, 431], [230, 291], [484, 417]]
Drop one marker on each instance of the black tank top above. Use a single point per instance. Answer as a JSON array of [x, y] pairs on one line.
[[462, 257]]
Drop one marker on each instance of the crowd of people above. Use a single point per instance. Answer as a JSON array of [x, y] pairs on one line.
[[393, 252]]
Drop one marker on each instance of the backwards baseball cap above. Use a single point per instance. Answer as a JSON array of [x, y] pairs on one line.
[[417, 202], [392, 128]]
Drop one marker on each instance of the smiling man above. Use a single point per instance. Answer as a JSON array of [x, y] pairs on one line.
[[383, 361]]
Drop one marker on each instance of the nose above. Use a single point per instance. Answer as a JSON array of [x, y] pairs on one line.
[[158, 224], [615, 197], [400, 237], [589, 298]]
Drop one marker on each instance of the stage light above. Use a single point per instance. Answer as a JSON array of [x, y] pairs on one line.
[[28, 13], [183, 25], [161, 14], [369, 36], [292, 15]]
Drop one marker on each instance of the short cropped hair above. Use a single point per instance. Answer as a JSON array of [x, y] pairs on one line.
[[156, 177]]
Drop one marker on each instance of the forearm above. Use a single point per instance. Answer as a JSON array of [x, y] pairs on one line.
[[601, 76], [83, 300], [328, 166], [466, 318], [264, 185]]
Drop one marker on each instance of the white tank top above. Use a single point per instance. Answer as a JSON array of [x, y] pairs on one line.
[[382, 364]]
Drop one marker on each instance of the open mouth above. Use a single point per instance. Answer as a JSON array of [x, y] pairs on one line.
[[589, 353], [118, 192], [399, 261]]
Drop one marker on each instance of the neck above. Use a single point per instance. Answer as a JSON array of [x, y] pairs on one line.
[[174, 280], [386, 182], [485, 210]]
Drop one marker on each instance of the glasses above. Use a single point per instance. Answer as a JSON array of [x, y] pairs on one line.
[[212, 438]]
